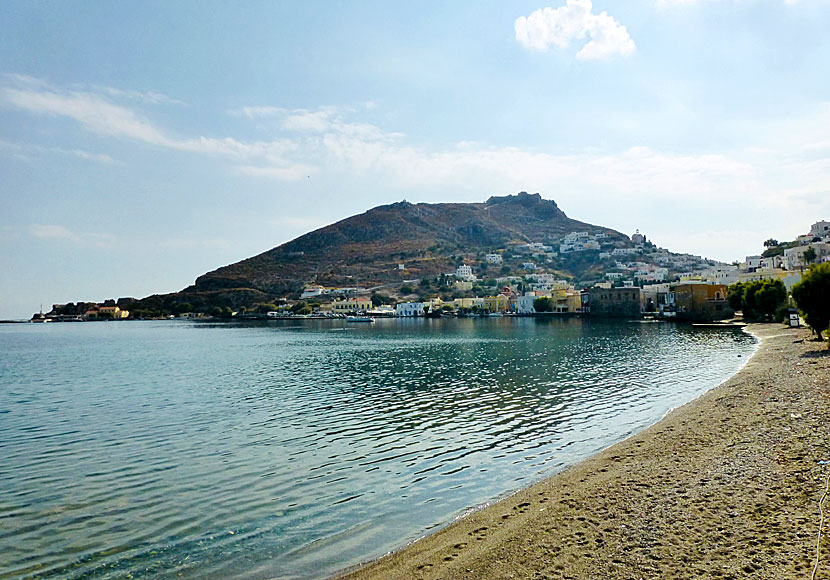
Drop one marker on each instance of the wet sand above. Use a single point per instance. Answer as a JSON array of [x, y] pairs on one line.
[[727, 486]]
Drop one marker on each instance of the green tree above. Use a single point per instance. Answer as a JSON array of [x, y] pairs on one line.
[[735, 296], [770, 243], [770, 296], [758, 300], [406, 289], [378, 299], [301, 308], [543, 304], [812, 296], [809, 255]]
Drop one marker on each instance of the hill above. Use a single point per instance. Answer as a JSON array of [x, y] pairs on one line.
[[392, 244], [365, 250]]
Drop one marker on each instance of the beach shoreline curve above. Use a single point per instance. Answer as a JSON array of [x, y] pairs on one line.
[[725, 486]]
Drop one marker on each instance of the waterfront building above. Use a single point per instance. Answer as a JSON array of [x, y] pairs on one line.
[[612, 302], [351, 306], [701, 301], [409, 309], [498, 303], [524, 303]]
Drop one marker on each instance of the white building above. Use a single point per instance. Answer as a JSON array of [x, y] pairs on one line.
[[722, 275], [465, 272], [493, 258], [794, 257], [409, 309], [753, 262], [820, 229], [311, 291], [524, 304], [528, 266]]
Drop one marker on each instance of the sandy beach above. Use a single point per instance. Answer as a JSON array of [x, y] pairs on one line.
[[727, 486]]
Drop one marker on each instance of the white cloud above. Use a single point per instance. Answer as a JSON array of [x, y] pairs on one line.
[[24, 151], [559, 27], [100, 116], [149, 97], [783, 179], [257, 112], [61, 233], [52, 232]]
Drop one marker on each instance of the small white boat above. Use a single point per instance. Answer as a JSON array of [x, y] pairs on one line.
[[359, 319]]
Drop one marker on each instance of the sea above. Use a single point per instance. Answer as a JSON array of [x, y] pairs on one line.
[[295, 449]]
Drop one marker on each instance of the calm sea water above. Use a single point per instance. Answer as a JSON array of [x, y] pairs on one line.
[[294, 450]]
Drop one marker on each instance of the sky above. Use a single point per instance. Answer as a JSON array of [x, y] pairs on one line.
[[143, 144]]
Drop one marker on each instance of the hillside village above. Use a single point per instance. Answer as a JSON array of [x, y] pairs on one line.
[[633, 277]]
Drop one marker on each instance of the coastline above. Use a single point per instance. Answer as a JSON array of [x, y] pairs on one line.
[[726, 486]]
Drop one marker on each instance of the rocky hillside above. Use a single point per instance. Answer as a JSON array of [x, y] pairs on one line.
[[365, 250]]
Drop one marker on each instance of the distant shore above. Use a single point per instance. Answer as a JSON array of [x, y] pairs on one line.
[[726, 486]]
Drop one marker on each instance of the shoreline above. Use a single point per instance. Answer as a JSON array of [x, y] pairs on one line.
[[726, 486]]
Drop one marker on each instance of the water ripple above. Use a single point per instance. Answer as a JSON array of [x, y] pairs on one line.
[[163, 449]]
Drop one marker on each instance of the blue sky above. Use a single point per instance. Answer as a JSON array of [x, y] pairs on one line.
[[143, 144]]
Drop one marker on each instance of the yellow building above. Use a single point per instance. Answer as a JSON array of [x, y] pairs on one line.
[[467, 303], [498, 303], [573, 301], [107, 312], [351, 305]]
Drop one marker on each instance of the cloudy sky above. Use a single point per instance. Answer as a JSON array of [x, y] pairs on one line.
[[145, 143]]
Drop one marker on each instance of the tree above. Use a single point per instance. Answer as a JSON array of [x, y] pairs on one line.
[[812, 296], [735, 296], [809, 255], [758, 300], [770, 297], [770, 243], [543, 304], [378, 299]]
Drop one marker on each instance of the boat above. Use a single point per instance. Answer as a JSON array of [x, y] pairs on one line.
[[359, 319]]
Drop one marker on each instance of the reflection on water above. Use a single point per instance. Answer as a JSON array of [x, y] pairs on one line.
[[165, 450]]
